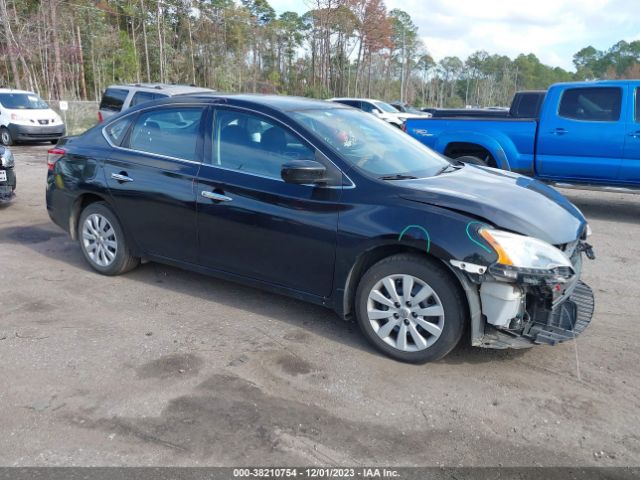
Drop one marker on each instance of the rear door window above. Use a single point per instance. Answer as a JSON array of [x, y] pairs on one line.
[[142, 97], [172, 132], [595, 104], [113, 99]]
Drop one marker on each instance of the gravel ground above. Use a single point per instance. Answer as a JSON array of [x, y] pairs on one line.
[[167, 367]]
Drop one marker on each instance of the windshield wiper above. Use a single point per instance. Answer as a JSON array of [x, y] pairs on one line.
[[397, 177], [448, 168]]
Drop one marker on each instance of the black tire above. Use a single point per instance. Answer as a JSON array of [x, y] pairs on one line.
[[5, 137], [123, 260], [441, 282]]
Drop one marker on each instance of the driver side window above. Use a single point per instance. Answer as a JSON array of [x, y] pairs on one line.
[[253, 144]]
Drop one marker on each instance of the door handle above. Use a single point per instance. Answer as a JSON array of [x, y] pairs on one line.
[[559, 131], [218, 197], [635, 134], [121, 177]]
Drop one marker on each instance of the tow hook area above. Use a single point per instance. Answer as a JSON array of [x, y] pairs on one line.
[[587, 249]]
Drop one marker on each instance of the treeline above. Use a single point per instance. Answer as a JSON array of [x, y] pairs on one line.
[[73, 49]]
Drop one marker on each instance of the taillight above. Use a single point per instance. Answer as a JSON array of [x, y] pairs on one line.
[[53, 155], [100, 118]]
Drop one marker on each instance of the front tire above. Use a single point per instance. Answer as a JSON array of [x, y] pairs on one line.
[[410, 308], [103, 242], [5, 137]]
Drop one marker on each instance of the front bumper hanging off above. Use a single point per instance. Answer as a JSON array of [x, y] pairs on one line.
[[564, 322], [567, 321]]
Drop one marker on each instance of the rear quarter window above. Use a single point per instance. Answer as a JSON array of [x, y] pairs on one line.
[[596, 104], [113, 99]]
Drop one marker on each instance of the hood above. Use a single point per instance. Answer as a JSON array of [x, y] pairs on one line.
[[504, 199]]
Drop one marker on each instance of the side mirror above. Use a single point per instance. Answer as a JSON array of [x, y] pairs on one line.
[[304, 172], [376, 112]]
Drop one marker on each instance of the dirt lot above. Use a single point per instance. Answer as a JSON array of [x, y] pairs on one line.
[[167, 367]]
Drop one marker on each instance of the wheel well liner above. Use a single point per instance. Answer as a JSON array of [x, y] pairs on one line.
[[370, 257], [461, 149], [76, 209]]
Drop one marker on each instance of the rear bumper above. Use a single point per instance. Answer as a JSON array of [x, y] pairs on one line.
[[35, 133]]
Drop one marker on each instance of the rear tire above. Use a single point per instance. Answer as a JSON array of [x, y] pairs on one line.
[[5, 137], [419, 325], [103, 242]]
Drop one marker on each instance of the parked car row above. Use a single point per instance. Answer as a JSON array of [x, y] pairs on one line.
[[380, 109], [325, 203]]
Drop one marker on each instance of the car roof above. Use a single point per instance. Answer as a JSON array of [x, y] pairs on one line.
[[282, 103], [598, 83], [13, 90], [167, 88], [355, 98]]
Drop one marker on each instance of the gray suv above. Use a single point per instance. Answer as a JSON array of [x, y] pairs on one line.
[[117, 98]]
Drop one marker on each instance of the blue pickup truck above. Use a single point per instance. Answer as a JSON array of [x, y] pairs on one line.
[[584, 134]]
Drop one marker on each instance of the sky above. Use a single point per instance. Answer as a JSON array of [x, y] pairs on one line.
[[553, 30]]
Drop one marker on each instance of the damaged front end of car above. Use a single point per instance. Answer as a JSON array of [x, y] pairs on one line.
[[7, 176], [531, 295]]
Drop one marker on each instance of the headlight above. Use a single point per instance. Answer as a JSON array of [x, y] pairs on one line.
[[6, 158], [526, 258], [19, 118], [589, 231]]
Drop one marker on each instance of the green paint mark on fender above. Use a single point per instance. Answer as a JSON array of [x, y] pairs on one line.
[[484, 247], [424, 230]]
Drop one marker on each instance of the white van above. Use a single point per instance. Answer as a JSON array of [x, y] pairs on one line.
[[25, 117]]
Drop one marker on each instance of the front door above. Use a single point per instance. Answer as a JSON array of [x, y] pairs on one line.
[[151, 177], [250, 222], [584, 138]]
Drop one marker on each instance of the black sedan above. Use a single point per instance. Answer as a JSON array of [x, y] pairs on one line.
[[7, 176], [333, 206]]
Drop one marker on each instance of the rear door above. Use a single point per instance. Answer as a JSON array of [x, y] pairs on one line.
[[151, 176], [630, 171], [250, 222], [584, 138]]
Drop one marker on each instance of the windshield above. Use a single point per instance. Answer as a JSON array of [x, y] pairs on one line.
[[385, 107], [371, 144], [22, 101]]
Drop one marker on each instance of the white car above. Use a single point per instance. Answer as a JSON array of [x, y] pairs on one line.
[[378, 108], [25, 117]]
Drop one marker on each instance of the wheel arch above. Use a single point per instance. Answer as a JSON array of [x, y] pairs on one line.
[[80, 203], [373, 255]]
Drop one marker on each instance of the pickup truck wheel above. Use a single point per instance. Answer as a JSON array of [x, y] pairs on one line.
[[410, 308], [5, 137], [103, 242]]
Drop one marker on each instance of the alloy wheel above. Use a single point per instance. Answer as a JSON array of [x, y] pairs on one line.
[[405, 312], [99, 240]]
